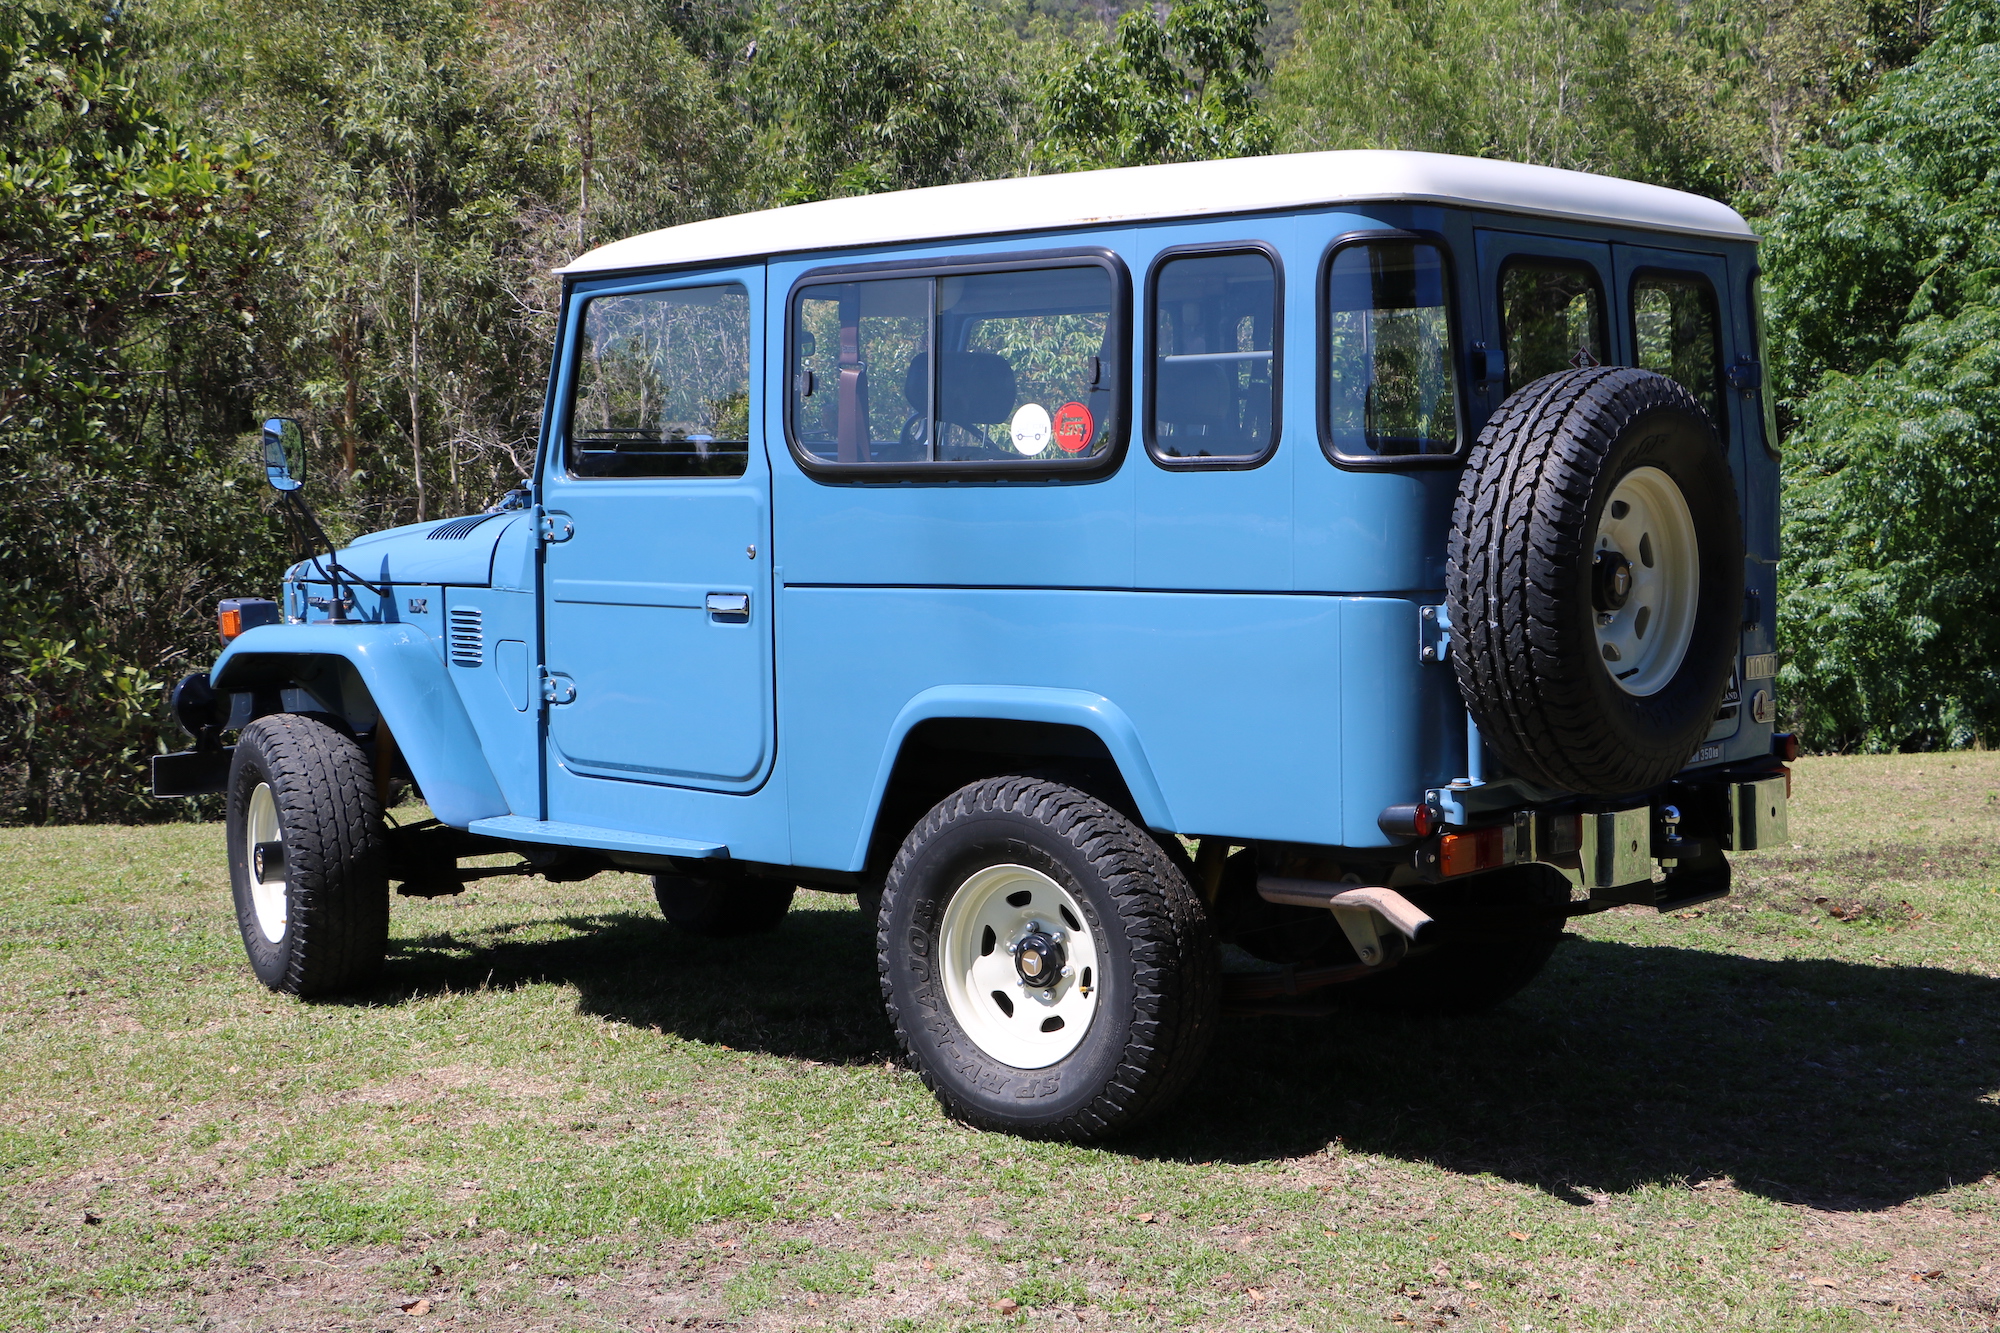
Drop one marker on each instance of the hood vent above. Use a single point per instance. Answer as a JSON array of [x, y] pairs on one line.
[[465, 636], [458, 529]]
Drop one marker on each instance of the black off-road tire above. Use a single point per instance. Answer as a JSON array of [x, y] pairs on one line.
[[722, 907], [1155, 948], [1518, 581], [336, 927], [1499, 933]]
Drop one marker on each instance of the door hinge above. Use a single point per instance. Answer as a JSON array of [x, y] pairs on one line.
[[1433, 633], [557, 688], [556, 526]]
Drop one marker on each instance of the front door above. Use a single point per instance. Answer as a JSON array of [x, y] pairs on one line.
[[656, 569]]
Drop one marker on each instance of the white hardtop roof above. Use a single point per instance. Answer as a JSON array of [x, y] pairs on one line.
[[1179, 190]]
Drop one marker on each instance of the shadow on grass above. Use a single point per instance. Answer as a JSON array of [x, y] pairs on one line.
[[1808, 1080]]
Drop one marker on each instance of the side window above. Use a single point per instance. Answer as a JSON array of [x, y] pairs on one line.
[[1675, 329], [663, 385], [1551, 317], [1215, 360], [990, 367], [1390, 387]]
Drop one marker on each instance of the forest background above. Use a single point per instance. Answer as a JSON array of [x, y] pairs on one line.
[[349, 210]]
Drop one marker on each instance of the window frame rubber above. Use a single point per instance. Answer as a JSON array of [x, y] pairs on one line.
[[1148, 359], [575, 309], [1455, 334], [1117, 360]]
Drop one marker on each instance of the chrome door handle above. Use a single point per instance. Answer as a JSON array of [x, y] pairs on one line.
[[730, 607]]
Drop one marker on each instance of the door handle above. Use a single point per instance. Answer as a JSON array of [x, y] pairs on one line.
[[731, 608]]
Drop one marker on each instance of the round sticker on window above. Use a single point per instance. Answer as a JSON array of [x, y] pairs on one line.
[[1073, 427], [1031, 429]]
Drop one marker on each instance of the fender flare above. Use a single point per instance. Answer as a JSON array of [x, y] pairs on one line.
[[1025, 703], [407, 682]]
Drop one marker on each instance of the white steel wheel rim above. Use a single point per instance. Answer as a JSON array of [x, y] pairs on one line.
[[267, 897], [1647, 521], [1026, 1026]]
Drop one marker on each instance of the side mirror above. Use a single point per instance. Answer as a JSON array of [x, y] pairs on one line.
[[284, 453]]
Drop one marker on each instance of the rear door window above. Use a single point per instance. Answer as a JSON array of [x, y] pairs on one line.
[[1001, 367], [1676, 331], [1390, 387], [1551, 319]]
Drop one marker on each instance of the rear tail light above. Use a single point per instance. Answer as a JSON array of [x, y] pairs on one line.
[[1463, 853], [1785, 745]]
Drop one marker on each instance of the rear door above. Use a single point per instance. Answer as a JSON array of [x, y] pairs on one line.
[[656, 575]]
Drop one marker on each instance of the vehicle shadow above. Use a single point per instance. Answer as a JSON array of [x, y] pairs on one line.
[[1806, 1080]]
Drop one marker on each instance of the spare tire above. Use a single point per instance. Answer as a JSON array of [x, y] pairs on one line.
[[1595, 580]]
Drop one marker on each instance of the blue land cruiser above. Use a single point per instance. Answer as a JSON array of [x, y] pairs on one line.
[[1151, 592]]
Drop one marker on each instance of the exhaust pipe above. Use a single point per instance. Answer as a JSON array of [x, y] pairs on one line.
[[1358, 907]]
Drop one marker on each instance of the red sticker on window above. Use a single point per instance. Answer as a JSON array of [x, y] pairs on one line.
[[1073, 428]]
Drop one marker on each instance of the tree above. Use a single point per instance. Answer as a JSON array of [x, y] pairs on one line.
[[1179, 90], [129, 246], [1885, 262], [1514, 79], [860, 96]]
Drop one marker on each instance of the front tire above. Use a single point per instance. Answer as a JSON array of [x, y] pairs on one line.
[[1047, 968], [307, 865]]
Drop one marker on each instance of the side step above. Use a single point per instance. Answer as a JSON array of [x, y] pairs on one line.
[[514, 828]]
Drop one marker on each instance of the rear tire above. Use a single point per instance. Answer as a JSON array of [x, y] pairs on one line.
[[1004, 885], [723, 907], [316, 922], [1483, 961]]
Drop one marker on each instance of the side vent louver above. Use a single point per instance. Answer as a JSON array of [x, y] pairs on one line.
[[456, 530], [465, 638]]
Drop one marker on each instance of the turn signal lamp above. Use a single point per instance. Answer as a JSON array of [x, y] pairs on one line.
[[1463, 853], [233, 615]]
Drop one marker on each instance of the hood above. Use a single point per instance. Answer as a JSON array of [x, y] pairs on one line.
[[452, 550]]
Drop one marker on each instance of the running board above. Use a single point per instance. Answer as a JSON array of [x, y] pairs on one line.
[[516, 829]]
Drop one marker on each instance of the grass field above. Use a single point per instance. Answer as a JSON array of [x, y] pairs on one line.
[[1777, 1112]]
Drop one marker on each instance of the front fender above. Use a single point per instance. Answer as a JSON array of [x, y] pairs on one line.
[[1028, 703], [406, 681]]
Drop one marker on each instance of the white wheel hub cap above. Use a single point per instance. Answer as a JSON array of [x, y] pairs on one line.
[[1645, 610], [267, 895], [1020, 967]]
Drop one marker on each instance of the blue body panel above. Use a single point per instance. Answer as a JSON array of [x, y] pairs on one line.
[[1243, 642], [406, 684]]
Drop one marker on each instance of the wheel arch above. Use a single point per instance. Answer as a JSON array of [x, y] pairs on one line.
[[362, 672], [949, 735]]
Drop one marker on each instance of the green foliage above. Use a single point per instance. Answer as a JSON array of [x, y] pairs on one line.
[[871, 95], [1886, 294], [1182, 90], [1515, 79], [129, 245]]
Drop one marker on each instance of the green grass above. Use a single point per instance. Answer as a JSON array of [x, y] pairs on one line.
[[1768, 1113]]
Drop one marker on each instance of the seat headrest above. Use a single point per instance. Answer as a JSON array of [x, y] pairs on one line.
[[977, 388]]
